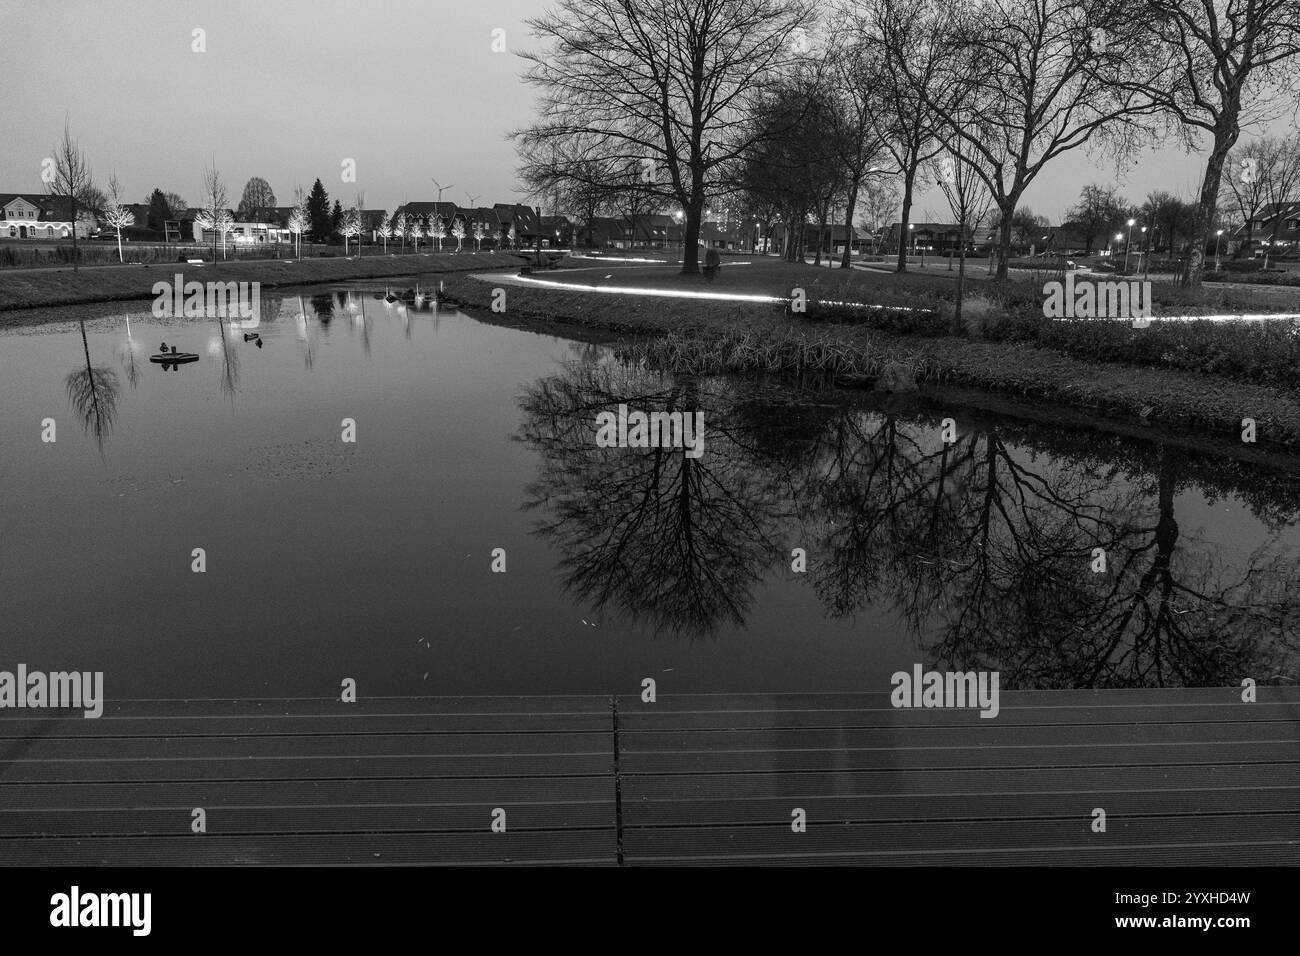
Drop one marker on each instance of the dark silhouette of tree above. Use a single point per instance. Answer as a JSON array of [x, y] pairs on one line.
[[92, 393], [318, 213], [677, 541]]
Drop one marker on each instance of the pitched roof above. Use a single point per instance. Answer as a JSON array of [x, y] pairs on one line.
[[49, 208]]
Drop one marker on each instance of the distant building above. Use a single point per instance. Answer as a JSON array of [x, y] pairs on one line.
[[1286, 218], [241, 233], [937, 237], [38, 216], [556, 231]]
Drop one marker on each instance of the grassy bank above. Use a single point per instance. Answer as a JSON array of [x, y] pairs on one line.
[[49, 287], [703, 337]]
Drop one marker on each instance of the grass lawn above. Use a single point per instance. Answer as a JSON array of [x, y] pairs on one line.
[[47, 287]]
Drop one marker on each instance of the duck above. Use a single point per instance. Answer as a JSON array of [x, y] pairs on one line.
[[250, 336], [163, 347]]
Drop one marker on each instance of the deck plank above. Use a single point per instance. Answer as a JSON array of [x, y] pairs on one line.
[[1186, 776]]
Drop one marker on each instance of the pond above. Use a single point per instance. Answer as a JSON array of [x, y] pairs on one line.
[[976, 546]]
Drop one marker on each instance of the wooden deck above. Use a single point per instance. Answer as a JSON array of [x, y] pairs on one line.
[[1185, 777]]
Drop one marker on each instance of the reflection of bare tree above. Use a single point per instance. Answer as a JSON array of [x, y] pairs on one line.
[[130, 356], [985, 550], [675, 540], [1172, 612], [229, 360], [92, 392]]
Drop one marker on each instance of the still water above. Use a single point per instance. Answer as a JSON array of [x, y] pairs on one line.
[[372, 560]]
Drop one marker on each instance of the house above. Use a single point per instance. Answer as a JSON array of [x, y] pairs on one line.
[[1285, 217], [556, 231], [652, 231], [241, 233], [601, 232], [447, 212], [525, 220], [937, 237], [38, 216]]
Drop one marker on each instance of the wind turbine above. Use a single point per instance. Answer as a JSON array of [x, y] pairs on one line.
[[473, 200], [441, 187]]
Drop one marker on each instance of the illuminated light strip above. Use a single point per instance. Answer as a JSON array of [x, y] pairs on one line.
[[616, 259], [660, 293], [666, 262]]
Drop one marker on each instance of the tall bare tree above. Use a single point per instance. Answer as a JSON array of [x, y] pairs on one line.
[[1281, 185], [890, 32], [968, 200], [661, 83], [72, 180], [115, 214], [1223, 64], [214, 215], [1038, 82], [1248, 169]]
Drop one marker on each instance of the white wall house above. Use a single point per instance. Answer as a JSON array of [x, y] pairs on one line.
[[34, 216], [245, 233]]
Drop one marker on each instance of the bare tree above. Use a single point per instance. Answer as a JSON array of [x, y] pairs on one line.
[[889, 32], [257, 201], [1222, 65], [349, 225], [1098, 209], [72, 180], [663, 84], [458, 231], [1281, 185], [400, 228], [359, 214], [970, 202], [115, 214], [1248, 181], [214, 215], [437, 230], [1037, 82]]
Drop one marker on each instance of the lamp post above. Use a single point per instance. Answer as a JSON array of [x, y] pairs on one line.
[[1218, 262], [911, 231], [1119, 237], [1144, 253], [1129, 244]]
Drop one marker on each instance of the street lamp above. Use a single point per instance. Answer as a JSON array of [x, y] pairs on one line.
[[1144, 254], [1119, 237], [1129, 244], [1218, 262]]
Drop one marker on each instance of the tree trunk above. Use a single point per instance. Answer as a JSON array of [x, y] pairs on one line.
[[691, 239], [75, 257], [1194, 265], [1007, 209], [909, 178], [961, 285], [846, 261]]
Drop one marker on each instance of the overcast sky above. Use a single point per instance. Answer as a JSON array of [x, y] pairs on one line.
[[289, 89]]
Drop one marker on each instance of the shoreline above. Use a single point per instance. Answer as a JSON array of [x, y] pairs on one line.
[[47, 288], [705, 337]]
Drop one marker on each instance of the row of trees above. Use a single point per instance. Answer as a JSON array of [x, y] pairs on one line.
[[714, 99]]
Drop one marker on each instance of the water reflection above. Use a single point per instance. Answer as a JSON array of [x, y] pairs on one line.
[[680, 541], [987, 550], [92, 392]]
